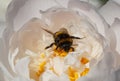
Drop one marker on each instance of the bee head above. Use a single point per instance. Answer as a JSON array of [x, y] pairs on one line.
[[63, 30]]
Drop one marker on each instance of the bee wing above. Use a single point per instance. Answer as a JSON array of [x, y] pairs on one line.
[[48, 31]]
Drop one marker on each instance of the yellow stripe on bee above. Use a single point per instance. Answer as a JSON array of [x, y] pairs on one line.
[[58, 33]]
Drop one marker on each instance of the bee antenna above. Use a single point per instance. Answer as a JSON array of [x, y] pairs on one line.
[[48, 31]]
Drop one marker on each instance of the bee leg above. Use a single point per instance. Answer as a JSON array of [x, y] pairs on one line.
[[73, 37], [72, 49], [50, 46], [56, 47]]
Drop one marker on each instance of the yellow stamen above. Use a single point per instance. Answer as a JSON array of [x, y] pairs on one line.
[[73, 74], [84, 60], [52, 69], [85, 72], [41, 68], [42, 55]]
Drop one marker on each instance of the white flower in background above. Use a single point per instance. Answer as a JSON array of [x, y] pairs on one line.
[[96, 56]]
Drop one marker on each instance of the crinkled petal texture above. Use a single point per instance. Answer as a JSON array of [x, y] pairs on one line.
[[115, 27], [112, 18], [110, 11], [30, 9], [113, 34], [25, 41], [20, 69]]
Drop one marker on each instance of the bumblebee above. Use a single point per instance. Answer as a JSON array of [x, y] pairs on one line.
[[62, 40]]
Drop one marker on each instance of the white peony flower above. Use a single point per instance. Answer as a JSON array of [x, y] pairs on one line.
[[96, 56]]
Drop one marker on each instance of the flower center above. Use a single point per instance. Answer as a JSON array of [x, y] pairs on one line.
[[74, 64], [58, 63], [54, 62]]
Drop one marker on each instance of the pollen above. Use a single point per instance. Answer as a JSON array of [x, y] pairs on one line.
[[73, 74], [85, 72], [84, 60], [60, 53], [42, 55], [52, 69], [41, 68]]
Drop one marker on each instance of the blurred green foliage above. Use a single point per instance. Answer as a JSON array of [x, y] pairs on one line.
[[103, 1]]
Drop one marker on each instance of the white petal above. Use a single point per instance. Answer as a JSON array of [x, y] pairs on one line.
[[3, 54], [2, 28], [104, 70], [21, 67], [71, 59], [11, 58], [114, 39], [20, 78], [58, 65], [5, 73], [110, 11], [88, 11], [62, 3], [96, 3], [64, 77], [3, 8], [48, 76], [84, 79], [30, 53], [115, 27], [28, 8], [117, 1], [118, 75], [110, 77], [59, 18]]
